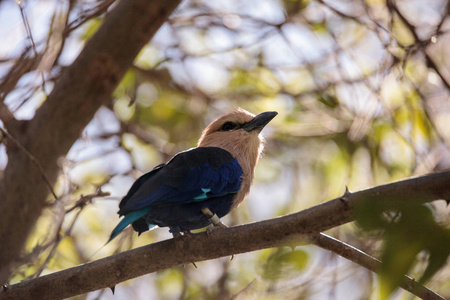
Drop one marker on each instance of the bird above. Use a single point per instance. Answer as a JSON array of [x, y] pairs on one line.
[[198, 186]]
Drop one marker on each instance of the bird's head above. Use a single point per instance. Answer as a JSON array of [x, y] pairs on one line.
[[238, 133]]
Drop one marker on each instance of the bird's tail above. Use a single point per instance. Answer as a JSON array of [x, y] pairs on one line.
[[127, 220]]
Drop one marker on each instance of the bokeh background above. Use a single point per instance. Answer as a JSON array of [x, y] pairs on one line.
[[362, 89]]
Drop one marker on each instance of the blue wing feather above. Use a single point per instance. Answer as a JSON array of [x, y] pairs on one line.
[[174, 193], [181, 180], [218, 181], [127, 220]]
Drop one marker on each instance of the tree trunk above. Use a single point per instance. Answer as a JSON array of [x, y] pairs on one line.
[[86, 85]]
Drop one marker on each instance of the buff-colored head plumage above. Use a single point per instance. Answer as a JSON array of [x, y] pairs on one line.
[[238, 133]]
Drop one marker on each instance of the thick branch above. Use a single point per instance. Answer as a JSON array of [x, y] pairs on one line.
[[288, 230], [86, 85]]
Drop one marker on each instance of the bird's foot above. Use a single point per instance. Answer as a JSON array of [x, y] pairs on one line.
[[214, 219], [215, 223], [213, 227], [176, 235], [175, 231]]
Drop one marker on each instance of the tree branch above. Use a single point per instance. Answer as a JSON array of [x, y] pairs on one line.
[[289, 230], [371, 263], [430, 63], [86, 85]]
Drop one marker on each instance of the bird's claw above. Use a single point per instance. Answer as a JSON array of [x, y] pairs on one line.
[[210, 229], [214, 219], [175, 233], [213, 227]]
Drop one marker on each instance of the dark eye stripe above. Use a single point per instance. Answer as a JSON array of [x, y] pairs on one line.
[[228, 126]]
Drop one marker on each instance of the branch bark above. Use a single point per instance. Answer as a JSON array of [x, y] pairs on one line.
[[371, 263], [290, 230], [86, 85]]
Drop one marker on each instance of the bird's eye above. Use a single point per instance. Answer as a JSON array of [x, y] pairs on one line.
[[228, 126]]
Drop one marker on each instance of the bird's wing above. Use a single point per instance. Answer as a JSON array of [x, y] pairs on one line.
[[191, 176], [138, 183]]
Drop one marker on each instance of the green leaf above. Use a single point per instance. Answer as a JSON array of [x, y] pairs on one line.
[[328, 99], [409, 229], [369, 215], [439, 251], [397, 259], [284, 263]]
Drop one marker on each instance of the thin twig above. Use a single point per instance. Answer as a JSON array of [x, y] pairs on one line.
[[30, 36], [54, 243], [418, 42], [32, 158], [86, 199], [235, 296], [87, 15], [57, 241]]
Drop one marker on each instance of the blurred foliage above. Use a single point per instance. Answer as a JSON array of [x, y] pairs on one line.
[[284, 263], [362, 91], [408, 229]]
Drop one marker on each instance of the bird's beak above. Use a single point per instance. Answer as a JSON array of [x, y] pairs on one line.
[[259, 121]]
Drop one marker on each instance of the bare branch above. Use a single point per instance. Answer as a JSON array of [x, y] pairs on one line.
[[371, 263], [290, 230], [430, 63], [30, 36], [101, 8]]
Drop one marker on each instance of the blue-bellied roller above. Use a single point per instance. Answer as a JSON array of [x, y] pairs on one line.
[[199, 186]]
